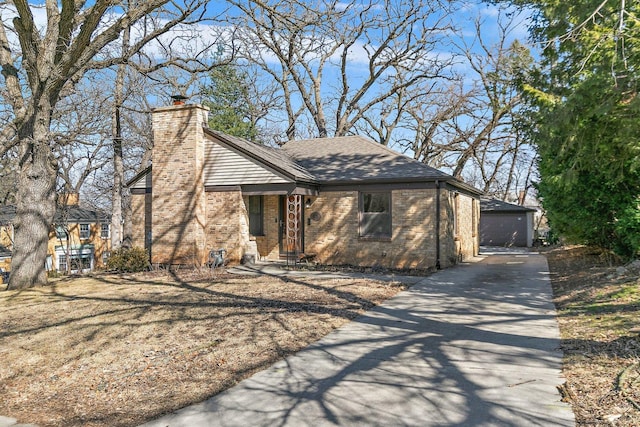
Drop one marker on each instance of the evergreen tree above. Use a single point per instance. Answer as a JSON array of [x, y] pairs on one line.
[[586, 121], [228, 96]]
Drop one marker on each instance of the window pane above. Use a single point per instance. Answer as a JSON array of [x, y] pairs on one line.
[[376, 224], [376, 202], [256, 215]]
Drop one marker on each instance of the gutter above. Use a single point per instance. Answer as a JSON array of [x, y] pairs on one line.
[[438, 265]]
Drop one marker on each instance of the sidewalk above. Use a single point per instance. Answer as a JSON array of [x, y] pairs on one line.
[[474, 345]]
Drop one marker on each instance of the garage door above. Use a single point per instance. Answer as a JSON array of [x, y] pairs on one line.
[[503, 229]]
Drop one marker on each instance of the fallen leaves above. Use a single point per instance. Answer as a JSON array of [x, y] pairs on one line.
[[119, 350]]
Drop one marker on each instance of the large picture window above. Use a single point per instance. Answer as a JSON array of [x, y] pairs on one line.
[[375, 214], [256, 215]]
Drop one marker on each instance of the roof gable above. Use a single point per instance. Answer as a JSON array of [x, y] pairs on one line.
[[234, 161]]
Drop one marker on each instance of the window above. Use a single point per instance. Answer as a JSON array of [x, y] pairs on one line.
[[256, 215], [61, 232], [375, 214], [104, 230], [62, 263], [84, 231], [77, 259], [80, 263]]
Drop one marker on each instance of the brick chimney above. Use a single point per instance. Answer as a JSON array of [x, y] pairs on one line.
[[178, 197], [68, 199]]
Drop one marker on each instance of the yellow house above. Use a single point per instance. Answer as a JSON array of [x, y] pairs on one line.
[[79, 240]]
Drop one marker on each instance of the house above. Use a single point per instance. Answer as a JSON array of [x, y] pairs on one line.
[[5, 258], [79, 240], [505, 224], [343, 200]]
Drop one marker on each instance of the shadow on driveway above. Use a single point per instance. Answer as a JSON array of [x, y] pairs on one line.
[[473, 345]]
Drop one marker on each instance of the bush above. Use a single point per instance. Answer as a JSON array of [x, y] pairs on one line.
[[128, 260]]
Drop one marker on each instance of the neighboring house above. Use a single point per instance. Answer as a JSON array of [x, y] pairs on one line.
[[505, 224], [5, 258], [340, 200], [79, 240], [6, 236]]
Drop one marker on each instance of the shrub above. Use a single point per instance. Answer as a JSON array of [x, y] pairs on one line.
[[128, 260]]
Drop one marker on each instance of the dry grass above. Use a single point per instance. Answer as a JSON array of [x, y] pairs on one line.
[[599, 315], [117, 351]]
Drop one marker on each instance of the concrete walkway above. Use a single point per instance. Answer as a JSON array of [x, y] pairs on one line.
[[474, 345]]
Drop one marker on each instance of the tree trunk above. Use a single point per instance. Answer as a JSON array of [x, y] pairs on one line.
[[36, 205], [117, 201], [118, 181]]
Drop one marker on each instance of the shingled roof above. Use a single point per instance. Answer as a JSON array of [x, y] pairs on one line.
[[73, 214], [498, 206], [334, 161], [352, 159]]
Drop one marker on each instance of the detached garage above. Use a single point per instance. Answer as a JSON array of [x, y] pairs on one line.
[[505, 224]]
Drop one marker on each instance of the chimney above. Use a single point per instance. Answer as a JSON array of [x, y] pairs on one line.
[[68, 199], [177, 197]]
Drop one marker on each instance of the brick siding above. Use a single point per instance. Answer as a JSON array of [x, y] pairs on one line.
[[335, 237], [178, 215]]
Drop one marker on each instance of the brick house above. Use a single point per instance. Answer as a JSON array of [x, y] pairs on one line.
[[79, 240], [343, 200]]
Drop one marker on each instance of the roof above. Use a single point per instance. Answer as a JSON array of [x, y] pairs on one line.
[[68, 214], [498, 206], [351, 159], [334, 161]]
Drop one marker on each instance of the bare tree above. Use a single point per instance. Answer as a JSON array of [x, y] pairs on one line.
[[80, 135], [472, 126], [376, 49], [46, 60]]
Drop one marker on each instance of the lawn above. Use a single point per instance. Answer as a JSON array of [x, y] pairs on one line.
[[599, 314], [114, 350]]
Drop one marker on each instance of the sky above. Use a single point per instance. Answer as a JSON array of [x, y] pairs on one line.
[[464, 18]]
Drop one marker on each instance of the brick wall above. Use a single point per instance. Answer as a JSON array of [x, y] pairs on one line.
[[459, 240], [335, 240], [227, 225], [178, 197]]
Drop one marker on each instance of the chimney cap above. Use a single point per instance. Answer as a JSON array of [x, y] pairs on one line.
[[178, 99]]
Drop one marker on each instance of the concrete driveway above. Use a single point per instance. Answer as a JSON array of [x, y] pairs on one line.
[[474, 345]]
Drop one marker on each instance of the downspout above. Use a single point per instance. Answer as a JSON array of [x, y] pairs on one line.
[[437, 224]]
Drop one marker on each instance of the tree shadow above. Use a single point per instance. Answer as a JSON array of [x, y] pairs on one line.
[[453, 350]]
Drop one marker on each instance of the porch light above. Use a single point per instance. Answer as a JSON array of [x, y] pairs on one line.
[[307, 204]]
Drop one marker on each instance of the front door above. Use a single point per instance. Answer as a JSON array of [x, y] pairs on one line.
[[291, 234]]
